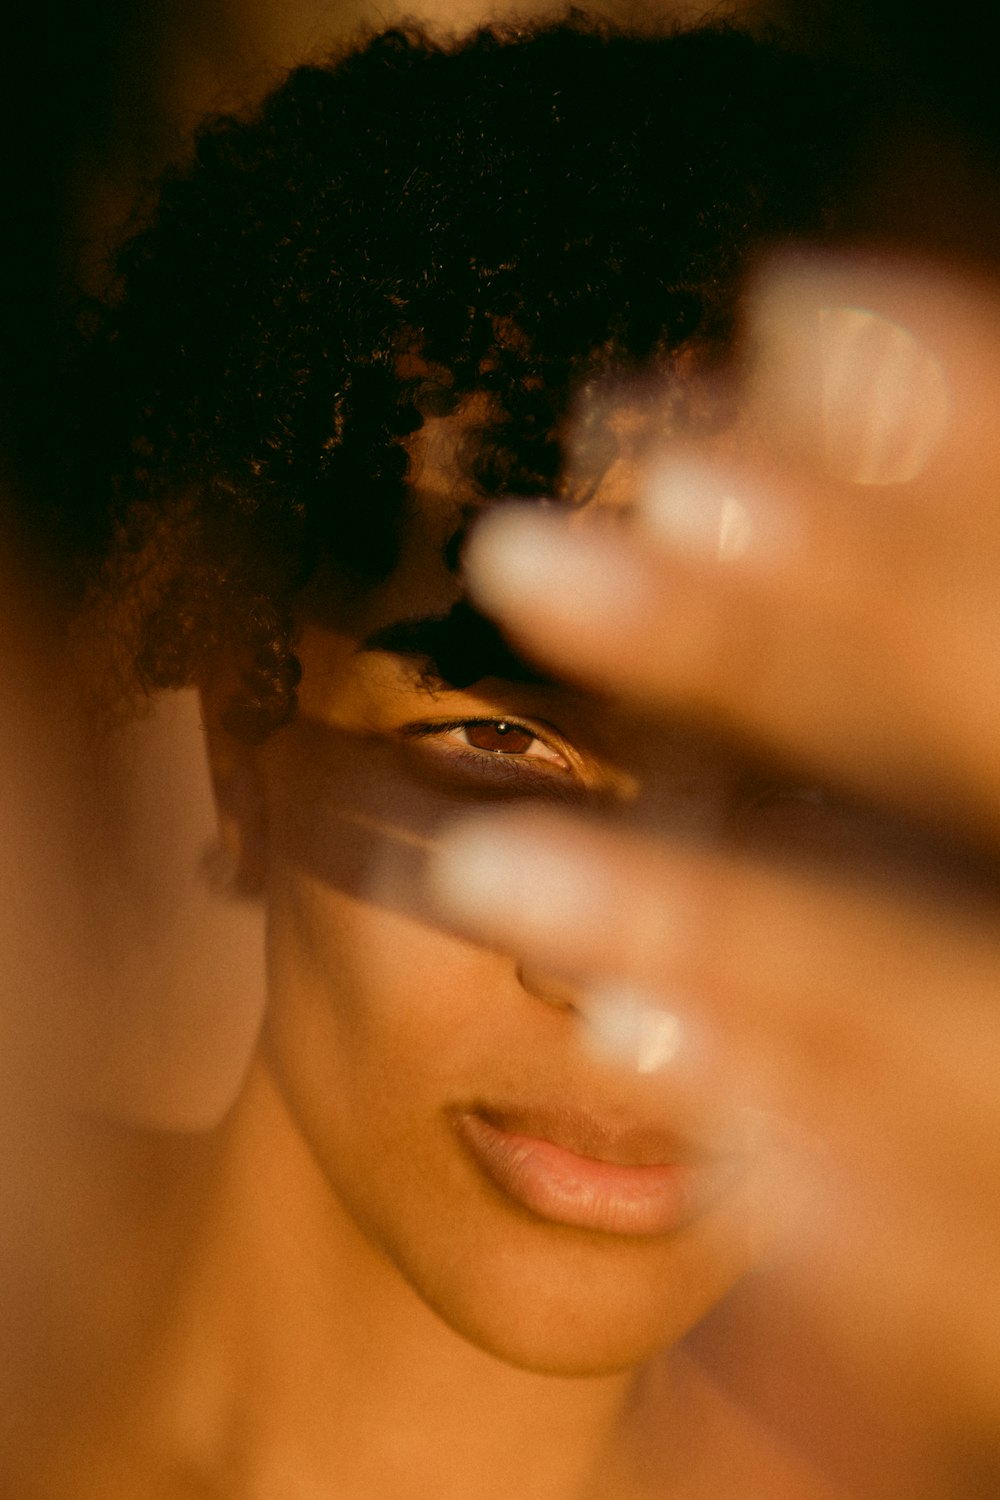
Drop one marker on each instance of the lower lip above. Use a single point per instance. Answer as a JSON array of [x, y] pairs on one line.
[[564, 1188]]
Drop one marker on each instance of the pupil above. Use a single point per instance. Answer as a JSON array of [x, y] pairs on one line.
[[500, 736]]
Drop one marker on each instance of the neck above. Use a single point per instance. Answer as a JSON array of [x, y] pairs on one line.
[[291, 1345]]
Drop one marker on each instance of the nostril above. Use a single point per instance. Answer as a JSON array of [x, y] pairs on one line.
[[552, 988]]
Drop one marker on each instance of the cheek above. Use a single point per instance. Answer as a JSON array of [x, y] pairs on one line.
[[375, 1024], [364, 989], [344, 813], [385, 988], [377, 1018]]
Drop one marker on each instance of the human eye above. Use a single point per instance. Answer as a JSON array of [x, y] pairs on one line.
[[504, 754], [506, 737]]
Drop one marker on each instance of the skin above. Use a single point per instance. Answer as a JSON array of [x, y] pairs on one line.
[[365, 985], [381, 1024], [859, 999], [453, 1342]]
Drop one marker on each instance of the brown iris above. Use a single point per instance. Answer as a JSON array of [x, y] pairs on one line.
[[499, 736]]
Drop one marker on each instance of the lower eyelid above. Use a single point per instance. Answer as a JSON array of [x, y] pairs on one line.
[[476, 773], [552, 757], [444, 742]]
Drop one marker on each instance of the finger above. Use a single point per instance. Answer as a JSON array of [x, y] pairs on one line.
[[835, 598], [881, 375], [842, 992], [798, 646], [869, 1020]]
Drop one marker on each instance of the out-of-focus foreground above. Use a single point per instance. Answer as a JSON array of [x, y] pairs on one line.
[[133, 988]]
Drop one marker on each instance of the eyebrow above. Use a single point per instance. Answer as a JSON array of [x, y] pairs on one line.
[[457, 649]]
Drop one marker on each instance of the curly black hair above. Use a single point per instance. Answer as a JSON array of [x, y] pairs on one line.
[[522, 210]]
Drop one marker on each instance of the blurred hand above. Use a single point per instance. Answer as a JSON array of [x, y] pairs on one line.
[[827, 596]]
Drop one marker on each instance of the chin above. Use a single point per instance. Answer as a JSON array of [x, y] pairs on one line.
[[597, 1310], [567, 1357], [569, 1350]]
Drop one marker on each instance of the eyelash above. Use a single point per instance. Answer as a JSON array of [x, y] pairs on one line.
[[505, 769]]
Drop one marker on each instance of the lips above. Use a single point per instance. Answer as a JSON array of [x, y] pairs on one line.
[[581, 1172]]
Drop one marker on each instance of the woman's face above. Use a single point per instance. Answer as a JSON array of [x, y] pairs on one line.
[[567, 1213]]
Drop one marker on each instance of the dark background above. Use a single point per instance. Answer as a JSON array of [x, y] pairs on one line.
[[96, 97]]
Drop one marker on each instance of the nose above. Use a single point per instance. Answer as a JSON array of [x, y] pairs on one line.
[[551, 988]]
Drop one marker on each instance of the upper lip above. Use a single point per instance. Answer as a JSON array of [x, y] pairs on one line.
[[605, 1139]]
